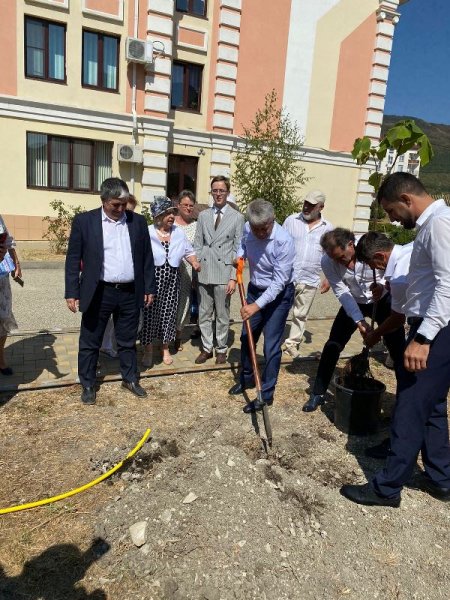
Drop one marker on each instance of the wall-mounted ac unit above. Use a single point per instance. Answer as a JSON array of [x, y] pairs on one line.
[[139, 51], [129, 153]]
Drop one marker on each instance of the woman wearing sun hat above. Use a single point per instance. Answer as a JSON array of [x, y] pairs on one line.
[[169, 245]]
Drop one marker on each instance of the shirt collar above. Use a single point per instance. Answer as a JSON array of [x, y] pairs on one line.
[[222, 210], [433, 207], [105, 217], [396, 250], [269, 237]]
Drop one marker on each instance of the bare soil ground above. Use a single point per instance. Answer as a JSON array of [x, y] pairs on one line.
[[223, 519]]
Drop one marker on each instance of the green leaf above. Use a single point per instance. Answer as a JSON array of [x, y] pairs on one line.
[[375, 180], [361, 150], [426, 151]]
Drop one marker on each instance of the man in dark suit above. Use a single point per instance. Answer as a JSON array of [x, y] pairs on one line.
[[111, 246]]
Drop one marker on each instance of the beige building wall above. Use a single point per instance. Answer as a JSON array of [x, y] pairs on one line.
[[309, 70]]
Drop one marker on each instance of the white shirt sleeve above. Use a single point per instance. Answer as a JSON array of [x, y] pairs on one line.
[[331, 271], [437, 315]]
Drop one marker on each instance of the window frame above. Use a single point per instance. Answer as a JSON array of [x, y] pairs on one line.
[[71, 140], [186, 66], [183, 161], [46, 76], [100, 36], [190, 10]]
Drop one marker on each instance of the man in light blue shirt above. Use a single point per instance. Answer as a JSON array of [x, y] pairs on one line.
[[270, 252]]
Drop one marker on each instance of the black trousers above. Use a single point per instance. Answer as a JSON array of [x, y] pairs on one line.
[[420, 421], [107, 301], [342, 330]]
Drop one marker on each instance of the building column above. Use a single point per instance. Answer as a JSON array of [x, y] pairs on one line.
[[225, 85], [160, 29], [387, 18]]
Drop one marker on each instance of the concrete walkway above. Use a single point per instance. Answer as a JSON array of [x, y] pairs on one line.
[[49, 359]]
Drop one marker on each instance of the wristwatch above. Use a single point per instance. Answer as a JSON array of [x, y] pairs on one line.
[[421, 339]]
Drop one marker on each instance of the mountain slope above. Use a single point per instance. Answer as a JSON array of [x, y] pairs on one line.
[[436, 175]]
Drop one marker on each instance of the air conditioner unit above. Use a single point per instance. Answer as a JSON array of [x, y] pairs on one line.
[[129, 153], [139, 51]]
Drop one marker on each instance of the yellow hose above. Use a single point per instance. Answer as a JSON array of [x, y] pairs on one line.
[[4, 511]]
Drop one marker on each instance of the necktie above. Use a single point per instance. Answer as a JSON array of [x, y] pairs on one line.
[[218, 219]]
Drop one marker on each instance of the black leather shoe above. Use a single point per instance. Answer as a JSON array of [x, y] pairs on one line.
[[381, 451], [238, 388], [438, 492], [315, 400], [134, 388], [88, 395], [256, 406], [365, 494]]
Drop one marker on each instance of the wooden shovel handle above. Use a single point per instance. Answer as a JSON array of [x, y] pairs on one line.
[[251, 342]]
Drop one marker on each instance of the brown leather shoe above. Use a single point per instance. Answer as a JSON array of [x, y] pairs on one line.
[[221, 358], [203, 357]]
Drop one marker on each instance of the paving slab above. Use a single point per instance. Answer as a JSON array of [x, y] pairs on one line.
[[49, 359]]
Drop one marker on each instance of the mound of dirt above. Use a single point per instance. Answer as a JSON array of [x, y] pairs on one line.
[[202, 512]]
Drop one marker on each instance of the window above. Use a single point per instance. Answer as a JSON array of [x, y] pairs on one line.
[[186, 86], [100, 61], [62, 163], [181, 174], [401, 158], [400, 169], [45, 50], [193, 7]]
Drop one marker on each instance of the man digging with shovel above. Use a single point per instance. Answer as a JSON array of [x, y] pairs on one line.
[[270, 252]]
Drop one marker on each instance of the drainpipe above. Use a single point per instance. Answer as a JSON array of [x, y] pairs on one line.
[[134, 133]]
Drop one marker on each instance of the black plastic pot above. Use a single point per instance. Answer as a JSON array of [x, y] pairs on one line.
[[357, 411]]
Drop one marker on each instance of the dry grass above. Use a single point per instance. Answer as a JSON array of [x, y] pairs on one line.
[[52, 443], [37, 254]]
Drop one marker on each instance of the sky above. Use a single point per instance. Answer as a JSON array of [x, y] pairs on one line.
[[419, 76]]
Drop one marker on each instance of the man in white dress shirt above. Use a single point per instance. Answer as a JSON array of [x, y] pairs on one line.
[[420, 420], [306, 229], [109, 271], [379, 252], [351, 282]]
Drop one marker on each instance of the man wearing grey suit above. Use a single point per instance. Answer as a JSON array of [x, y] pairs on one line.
[[219, 231]]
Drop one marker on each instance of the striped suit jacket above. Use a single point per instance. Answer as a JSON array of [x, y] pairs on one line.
[[216, 249]]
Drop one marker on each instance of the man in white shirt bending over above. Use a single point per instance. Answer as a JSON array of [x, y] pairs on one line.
[[379, 252], [306, 229], [352, 284], [420, 420]]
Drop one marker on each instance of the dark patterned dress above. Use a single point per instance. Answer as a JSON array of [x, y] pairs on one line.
[[161, 316]]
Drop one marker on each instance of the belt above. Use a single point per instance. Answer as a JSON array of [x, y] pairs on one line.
[[126, 287], [414, 320]]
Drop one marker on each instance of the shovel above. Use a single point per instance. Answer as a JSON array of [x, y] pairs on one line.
[[358, 366], [251, 346]]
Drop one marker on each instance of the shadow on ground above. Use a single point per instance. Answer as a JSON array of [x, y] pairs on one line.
[[54, 574], [29, 357]]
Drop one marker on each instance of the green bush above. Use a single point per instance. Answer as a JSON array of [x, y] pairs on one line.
[[59, 226], [145, 212], [399, 235], [267, 160]]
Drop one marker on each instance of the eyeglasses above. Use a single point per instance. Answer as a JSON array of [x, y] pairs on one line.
[[219, 192]]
